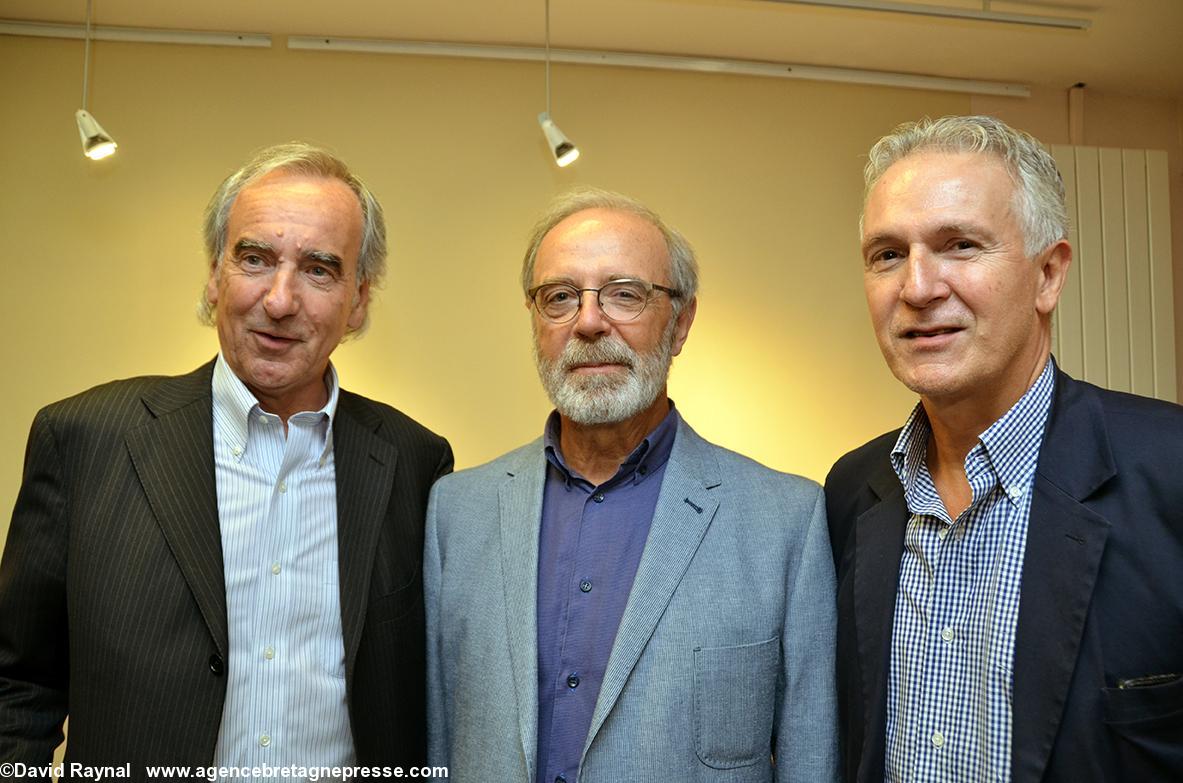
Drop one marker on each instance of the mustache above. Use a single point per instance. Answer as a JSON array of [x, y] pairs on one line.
[[606, 350]]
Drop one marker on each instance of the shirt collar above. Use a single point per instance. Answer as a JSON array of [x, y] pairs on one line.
[[234, 404], [1011, 443], [650, 454]]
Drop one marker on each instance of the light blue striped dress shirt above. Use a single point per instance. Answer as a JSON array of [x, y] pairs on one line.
[[277, 506], [950, 690]]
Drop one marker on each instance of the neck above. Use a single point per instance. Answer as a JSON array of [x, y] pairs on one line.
[[596, 451], [957, 423]]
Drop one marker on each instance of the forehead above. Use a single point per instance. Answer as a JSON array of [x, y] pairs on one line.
[[597, 244], [941, 185], [303, 207]]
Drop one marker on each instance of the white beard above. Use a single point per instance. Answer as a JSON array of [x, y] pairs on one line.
[[607, 398]]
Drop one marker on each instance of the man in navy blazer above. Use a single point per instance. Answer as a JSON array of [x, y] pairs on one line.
[[1010, 563]]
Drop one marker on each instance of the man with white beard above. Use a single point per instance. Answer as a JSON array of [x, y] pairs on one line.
[[621, 600]]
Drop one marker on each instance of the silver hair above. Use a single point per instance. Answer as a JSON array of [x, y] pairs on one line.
[[1039, 188], [301, 158], [683, 266]]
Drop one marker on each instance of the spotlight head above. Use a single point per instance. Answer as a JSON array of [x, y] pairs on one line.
[[561, 147], [96, 142]]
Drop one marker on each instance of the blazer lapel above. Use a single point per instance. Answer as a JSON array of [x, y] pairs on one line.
[[1065, 542], [365, 466], [879, 544], [520, 499], [685, 508], [173, 456]]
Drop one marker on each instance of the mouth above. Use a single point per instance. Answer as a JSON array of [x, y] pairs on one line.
[[592, 368], [930, 333], [272, 340]]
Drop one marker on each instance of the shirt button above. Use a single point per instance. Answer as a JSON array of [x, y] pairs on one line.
[[283, 487], [276, 568], [573, 681], [268, 652], [598, 497], [1015, 492], [560, 779], [642, 470], [265, 740], [236, 451], [947, 633], [585, 585], [263, 420], [938, 739], [323, 461], [944, 531]]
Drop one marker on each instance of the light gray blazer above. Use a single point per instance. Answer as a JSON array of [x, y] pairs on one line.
[[724, 655]]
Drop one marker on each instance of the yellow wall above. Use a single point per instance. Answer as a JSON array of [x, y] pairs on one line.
[[103, 261]]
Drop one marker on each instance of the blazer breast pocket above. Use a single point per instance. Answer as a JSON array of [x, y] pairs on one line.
[[734, 700], [1147, 718]]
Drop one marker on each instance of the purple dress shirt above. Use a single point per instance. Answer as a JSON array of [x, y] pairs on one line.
[[589, 547]]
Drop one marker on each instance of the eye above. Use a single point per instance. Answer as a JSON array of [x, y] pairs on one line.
[[882, 259], [252, 260], [318, 271], [558, 295]]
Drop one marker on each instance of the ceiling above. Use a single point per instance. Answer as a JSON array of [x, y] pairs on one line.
[[1135, 47]]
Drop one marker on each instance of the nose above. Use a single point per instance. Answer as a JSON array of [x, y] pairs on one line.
[[590, 321], [281, 299], [924, 279]]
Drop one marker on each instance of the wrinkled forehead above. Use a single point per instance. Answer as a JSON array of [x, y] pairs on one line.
[[601, 244]]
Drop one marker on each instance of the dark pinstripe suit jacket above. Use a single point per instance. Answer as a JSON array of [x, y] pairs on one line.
[[112, 599]]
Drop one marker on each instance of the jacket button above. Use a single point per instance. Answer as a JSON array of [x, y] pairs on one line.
[[216, 666]]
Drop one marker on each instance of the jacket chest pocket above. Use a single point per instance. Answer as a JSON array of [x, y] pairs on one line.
[[734, 699]]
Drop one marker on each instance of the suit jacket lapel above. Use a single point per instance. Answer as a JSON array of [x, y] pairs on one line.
[[879, 544], [173, 455], [520, 499], [685, 508], [365, 466], [1065, 541]]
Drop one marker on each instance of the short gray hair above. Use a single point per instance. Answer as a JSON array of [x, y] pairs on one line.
[[683, 266], [301, 158], [1039, 188]]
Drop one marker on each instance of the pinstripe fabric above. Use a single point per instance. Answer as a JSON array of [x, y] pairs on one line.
[[111, 589], [949, 694], [277, 508]]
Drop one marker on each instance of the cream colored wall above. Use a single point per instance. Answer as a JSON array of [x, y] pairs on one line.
[[104, 261]]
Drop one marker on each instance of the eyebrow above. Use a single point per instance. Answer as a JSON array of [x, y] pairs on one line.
[[326, 258], [253, 244]]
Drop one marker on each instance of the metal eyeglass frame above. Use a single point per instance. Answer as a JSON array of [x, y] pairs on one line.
[[672, 293]]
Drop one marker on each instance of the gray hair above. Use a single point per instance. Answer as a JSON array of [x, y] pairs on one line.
[[683, 266], [296, 157], [1039, 189]]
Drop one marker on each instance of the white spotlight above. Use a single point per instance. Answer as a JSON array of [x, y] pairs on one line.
[[561, 147], [96, 142]]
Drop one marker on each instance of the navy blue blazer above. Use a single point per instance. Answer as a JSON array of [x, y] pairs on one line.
[[1101, 598]]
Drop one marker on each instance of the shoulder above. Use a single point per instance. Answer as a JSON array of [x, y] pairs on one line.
[[479, 478], [855, 467], [389, 423], [120, 405], [1134, 424]]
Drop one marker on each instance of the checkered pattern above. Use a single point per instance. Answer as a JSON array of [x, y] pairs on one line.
[[949, 697]]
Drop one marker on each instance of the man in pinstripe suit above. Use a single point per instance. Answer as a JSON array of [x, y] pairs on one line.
[[223, 568]]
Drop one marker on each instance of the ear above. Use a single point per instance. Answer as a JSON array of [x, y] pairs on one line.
[[361, 303], [1053, 273], [211, 286], [682, 328]]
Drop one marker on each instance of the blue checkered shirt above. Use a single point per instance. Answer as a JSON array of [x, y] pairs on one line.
[[950, 692]]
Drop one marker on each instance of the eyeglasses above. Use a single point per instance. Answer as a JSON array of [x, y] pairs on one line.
[[619, 300]]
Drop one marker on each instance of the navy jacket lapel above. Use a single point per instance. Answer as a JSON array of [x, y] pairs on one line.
[[173, 456], [365, 466], [1065, 542], [879, 544]]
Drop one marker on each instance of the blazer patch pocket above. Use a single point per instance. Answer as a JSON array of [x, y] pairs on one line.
[[734, 698]]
